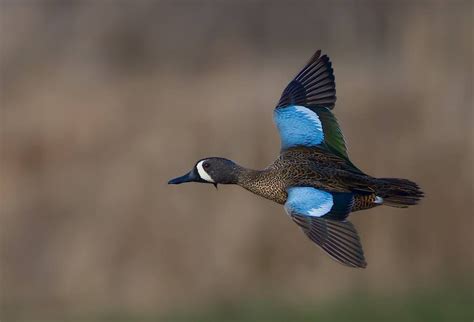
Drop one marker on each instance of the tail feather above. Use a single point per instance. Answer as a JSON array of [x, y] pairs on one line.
[[399, 193]]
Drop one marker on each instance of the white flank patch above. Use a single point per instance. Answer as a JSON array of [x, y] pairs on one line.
[[202, 173], [323, 209], [378, 200], [310, 115]]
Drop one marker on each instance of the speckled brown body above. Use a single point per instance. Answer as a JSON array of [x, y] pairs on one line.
[[314, 167]]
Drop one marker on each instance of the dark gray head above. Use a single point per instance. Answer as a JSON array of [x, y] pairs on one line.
[[211, 170]]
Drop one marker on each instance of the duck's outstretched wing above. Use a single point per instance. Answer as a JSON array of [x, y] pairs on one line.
[[322, 217], [303, 115]]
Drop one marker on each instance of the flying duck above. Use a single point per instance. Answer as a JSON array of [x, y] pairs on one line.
[[313, 177]]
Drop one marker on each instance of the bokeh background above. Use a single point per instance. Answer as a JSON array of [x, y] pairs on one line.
[[103, 101]]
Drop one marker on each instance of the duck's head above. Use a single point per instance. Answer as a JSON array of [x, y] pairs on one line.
[[210, 170]]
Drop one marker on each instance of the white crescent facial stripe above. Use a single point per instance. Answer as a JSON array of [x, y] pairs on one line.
[[202, 173]]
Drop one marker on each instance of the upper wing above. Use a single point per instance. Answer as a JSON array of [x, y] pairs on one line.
[[303, 114], [321, 215], [313, 86]]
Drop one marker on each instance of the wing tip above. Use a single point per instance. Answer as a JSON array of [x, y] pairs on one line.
[[313, 86], [315, 57], [360, 263]]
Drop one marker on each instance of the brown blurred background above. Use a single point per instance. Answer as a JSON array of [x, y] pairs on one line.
[[103, 101]]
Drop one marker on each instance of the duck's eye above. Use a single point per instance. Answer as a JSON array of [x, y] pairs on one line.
[[206, 165]]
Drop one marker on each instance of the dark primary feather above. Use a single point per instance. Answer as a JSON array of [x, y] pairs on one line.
[[338, 238], [314, 86]]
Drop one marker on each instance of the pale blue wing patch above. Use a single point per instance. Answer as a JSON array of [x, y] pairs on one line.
[[298, 126], [308, 201]]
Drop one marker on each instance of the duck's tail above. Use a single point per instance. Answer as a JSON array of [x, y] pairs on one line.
[[399, 193]]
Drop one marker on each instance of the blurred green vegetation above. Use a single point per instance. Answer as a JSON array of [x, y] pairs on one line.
[[448, 303], [443, 304]]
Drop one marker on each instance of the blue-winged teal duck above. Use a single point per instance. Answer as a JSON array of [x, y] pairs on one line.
[[313, 177]]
